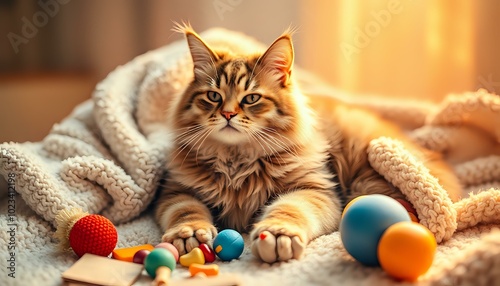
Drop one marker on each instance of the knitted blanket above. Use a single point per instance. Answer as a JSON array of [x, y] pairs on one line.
[[106, 157]]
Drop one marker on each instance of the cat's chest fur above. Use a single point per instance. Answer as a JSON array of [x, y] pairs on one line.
[[235, 183]]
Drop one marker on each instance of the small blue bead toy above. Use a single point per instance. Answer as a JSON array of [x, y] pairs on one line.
[[228, 245]]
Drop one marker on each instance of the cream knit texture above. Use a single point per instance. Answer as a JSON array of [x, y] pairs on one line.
[[107, 156]]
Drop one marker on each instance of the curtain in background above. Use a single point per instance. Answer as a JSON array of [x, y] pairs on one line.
[[422, 49]]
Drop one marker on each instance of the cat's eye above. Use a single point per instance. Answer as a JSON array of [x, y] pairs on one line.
[[251, 98], [214, 96]]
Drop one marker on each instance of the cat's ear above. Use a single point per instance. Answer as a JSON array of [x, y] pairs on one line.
[[277, 61], [203, 57]]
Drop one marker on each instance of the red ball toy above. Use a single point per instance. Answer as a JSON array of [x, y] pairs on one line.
[[86, 233]]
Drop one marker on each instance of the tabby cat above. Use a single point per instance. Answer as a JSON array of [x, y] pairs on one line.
[[254, 154]]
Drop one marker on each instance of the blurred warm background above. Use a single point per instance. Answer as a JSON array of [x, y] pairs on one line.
[[53, 52]]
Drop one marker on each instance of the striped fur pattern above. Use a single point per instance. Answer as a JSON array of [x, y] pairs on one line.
[[252, 155]]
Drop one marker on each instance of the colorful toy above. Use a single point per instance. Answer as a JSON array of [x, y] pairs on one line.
[[208, 253], [159, 264], [365, 221], [170, 247], [410, 209], [85, 233], [127, 253], [414, 218], [140, 255], [195, 256], [406, 250], [228, 245], [208, 270]]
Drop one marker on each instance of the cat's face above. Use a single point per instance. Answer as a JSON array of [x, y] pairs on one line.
[[235, 99]]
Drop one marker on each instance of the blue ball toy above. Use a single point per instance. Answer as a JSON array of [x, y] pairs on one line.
[[365, 221], [228, 245]]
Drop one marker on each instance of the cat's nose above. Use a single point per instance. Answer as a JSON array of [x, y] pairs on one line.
[[228, 114]]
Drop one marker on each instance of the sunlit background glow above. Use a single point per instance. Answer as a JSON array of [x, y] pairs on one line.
[[394, 48]]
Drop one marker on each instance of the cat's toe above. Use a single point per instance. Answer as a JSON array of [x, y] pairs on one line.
[[284, 248], [270, 248], [206, 235], [191, 243], [178, 237], [187, 237], [186, 232], [179, 244]]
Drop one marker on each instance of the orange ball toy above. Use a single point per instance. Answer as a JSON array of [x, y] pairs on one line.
[[86, 233], [406, 250]]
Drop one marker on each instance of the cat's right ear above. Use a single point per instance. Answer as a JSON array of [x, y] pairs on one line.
[[203, 57], [278, 59]]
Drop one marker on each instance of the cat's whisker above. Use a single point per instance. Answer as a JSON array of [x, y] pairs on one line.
[[182, 129], [250, 78], [184, 145], [268, 156], [292, 147], [250, 133], [214, 68], [209, 77], [280, 144], [257, 74], [293, 144], [203, 133], [276, 141], [201, 143], [186, 129], [188, 132], [258, 134], [277, 154], [269, 144], [250, 130]]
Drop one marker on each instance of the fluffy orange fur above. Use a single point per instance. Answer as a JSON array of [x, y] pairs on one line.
[[255, 154]]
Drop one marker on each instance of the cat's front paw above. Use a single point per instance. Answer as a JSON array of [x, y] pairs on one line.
[[187, 236], [278, 243]]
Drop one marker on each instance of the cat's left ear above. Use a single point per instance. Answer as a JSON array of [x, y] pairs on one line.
[[278, 59]]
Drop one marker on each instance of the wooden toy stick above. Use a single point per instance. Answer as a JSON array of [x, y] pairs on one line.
[[159, 264], [162, 276]]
